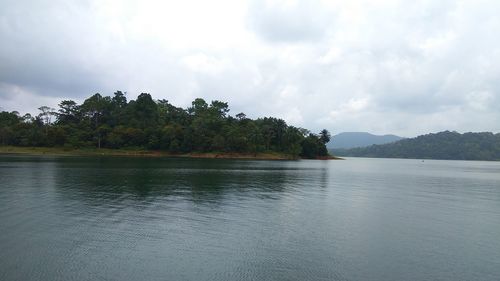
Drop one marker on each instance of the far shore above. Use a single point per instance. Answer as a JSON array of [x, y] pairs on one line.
[[63, 151]]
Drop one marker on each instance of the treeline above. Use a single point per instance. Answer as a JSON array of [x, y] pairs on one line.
[[144, 123], [443, 145]]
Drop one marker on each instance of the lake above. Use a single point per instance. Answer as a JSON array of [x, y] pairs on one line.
[[119, 218]]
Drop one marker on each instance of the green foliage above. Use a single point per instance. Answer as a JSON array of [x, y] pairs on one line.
[[113, 122], [312, 147], [443, 145], [324, 136]]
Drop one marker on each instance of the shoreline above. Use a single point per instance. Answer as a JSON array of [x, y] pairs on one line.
[[60, 151]]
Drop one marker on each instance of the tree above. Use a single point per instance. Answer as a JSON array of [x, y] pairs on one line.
[[68, 112], [119, 99], [198, 106], [46, 116], [171, 114], [146, 111], [96, 108], [241, 116], [27, 118], [324, 136], [8, 120], [114, 122], [219, 108]]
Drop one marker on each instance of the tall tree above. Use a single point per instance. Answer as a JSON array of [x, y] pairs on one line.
[[145, 111], [119, 99], [46, 116], [68, 111], [96, 108], [324, 136]]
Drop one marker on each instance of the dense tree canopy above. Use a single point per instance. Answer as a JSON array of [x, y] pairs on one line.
[[443, 145], [144, 123]]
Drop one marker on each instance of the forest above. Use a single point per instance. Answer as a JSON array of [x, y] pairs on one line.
[[116, 123], [442, 145]]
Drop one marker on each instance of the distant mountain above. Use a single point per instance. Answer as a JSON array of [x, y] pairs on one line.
[[443, 145], [359, 139]]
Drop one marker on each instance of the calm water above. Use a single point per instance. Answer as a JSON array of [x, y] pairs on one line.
[[70, 218]]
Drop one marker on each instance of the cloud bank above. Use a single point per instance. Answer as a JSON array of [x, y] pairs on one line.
[[403, 67]]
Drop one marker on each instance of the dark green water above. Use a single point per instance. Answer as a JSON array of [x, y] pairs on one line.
[[71, 218]]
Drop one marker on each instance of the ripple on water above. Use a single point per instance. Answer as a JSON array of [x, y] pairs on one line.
[[74, 218]]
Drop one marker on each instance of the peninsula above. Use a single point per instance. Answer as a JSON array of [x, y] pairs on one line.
[[105, 125]]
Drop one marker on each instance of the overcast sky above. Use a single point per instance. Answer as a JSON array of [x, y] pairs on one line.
[[402, 67]]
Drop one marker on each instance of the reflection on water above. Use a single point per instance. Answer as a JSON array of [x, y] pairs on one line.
[[77, 218], [99, 181]]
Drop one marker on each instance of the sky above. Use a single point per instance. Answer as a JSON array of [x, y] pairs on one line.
[[385, 66]]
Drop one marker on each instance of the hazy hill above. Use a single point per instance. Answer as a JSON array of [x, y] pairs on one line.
[[443, 145], [359, 139]]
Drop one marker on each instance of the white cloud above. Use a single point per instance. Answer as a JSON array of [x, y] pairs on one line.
[[480, 101], [404, 67], [290, 21], [205, 64]]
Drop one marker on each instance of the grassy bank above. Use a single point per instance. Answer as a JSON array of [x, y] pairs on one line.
[[63, 151]]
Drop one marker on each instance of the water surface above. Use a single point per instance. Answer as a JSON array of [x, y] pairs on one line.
[[79, 218]]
